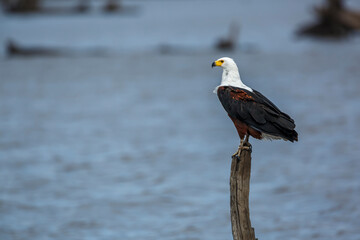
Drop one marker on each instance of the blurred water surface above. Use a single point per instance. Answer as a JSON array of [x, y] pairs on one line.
[[134, 144]]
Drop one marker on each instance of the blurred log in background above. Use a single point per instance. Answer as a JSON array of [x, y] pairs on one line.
[[333, 20], [80, 6], [20, 6]]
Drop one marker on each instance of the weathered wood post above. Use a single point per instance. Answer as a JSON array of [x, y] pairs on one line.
[[239, 195]]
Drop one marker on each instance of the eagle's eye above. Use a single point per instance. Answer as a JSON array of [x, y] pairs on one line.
[[222, 61]]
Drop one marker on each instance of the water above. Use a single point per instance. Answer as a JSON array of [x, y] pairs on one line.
[[135, 145]]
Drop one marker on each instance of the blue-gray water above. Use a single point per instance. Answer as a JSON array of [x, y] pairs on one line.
[[135, 144]]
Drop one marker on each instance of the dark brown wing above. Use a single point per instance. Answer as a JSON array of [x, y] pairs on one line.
[[257, 111]]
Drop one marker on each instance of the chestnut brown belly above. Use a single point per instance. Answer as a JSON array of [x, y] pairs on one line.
[[244, 129]]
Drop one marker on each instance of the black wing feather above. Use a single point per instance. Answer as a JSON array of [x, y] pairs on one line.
[[257, 111]]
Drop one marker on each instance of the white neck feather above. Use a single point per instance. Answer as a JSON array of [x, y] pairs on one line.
[[231, 77]]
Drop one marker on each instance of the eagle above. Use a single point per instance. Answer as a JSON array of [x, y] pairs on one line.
[[251, 112]]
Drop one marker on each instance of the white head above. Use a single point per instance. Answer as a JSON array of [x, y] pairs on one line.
[[230, 76], [226, 63]]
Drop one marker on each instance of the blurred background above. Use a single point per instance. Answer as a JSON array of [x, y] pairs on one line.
[[109, 128]]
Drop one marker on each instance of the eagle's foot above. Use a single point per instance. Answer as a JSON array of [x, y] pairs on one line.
[[238, 152], [248, 147]]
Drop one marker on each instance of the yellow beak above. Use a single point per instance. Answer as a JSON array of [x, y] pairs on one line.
[[216, 64]]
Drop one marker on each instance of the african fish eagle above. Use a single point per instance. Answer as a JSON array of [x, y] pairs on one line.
[[252, 113]]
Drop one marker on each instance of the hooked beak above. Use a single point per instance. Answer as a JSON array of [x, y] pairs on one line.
[[216, 64]]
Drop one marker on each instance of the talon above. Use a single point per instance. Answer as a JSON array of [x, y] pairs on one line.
[[238, 152], [247, 148], [236, 156]]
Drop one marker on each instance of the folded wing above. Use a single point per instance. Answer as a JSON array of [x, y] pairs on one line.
[[258, 112]]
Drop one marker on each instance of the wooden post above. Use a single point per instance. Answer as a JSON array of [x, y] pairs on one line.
[[239, 196]]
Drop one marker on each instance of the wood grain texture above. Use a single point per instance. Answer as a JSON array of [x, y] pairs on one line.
[[239, 196]]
